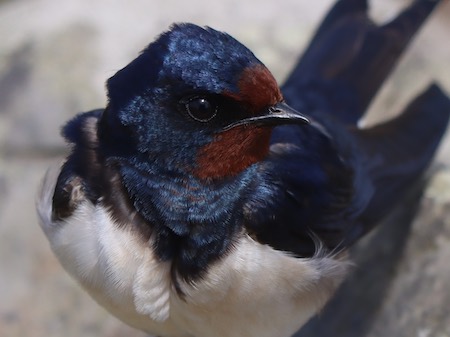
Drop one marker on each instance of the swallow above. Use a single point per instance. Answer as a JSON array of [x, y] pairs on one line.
[[205, 200]]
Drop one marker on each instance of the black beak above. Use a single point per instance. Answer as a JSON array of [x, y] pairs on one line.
[[278, 114]]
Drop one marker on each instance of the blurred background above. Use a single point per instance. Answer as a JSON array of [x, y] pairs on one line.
[[54, 60]]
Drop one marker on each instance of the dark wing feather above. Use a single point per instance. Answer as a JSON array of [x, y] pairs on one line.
[[336, 185], [401, 149], [349, 58], [319, 191], [79, 174]]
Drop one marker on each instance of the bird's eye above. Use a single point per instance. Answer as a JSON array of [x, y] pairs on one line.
[[201, 109]]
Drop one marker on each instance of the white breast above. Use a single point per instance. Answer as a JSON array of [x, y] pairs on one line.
[[253, 291]]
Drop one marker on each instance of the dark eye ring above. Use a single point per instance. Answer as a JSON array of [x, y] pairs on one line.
[[201, 109]]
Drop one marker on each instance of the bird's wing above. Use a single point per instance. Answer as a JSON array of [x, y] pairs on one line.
[[349, 58], [319, 187], [335, 186], [334, 181], [77, 179], [398, 151]]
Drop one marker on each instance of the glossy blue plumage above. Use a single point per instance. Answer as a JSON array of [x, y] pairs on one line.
[[325, 181]]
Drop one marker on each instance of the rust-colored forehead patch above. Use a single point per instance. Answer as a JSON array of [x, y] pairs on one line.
[[257, 88]]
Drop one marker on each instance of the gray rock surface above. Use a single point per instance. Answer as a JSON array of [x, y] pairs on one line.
[[54, 60]]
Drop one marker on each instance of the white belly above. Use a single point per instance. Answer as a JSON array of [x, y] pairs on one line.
[[253, 291]]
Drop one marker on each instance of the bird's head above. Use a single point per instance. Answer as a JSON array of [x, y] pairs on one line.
[[195, 100]]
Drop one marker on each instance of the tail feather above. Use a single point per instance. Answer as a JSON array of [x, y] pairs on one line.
[[341, 10], [400, 150], [382, 50], [350, 57]]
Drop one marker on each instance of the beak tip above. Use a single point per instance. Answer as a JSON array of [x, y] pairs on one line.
[[289, 114]]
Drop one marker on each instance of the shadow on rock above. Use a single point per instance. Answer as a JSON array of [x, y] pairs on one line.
[[354, 308]]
